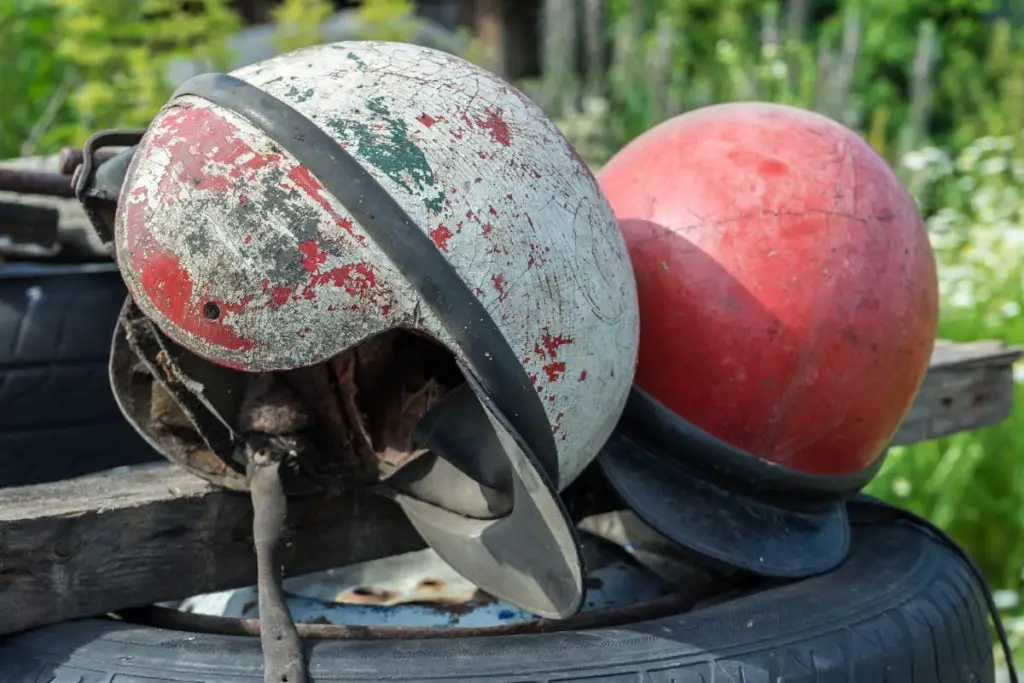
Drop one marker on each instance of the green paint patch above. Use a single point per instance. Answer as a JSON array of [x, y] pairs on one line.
[[359, 62], [389, 149], [298, 96]]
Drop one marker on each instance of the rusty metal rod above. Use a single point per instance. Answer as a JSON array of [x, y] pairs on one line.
[[36, 182]]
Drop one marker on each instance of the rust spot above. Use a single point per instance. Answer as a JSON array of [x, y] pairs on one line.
[[426, 119], [313, 256], [432, 584], [440, 236], [499, 285], [554, 371], [365, 595]]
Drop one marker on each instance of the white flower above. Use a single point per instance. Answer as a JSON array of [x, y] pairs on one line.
[[914, 161], [901, 487], [1006, 599], [993, 166]]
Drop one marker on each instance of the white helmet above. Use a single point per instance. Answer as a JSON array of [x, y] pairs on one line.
[[408, 244]]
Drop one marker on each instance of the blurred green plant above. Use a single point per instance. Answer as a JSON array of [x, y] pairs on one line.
[[974, 206], [300, 23], [35, 82], [392, 20], [905, 74], [72, 67]]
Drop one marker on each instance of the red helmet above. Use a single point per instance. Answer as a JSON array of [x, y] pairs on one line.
[[788, 303], [398, 244]]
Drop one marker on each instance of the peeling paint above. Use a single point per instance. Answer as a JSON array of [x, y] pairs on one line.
[[394, 153], [474, 163]]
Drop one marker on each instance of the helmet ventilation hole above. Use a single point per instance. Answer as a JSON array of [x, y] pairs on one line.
[[211, 311]]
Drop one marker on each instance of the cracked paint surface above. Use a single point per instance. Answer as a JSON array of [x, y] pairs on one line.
[[216, 216]]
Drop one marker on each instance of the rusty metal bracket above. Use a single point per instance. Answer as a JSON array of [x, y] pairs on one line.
[[282, 647], [97, 185]]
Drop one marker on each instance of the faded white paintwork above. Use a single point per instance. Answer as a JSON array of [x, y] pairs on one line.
[[515, 211]]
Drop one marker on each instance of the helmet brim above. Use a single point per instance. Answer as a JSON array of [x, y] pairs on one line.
[[732, 528], [529, 557]]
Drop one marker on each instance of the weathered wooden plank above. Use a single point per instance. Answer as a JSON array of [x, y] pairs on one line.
[[104, 542], [967, 386], [123, 539]]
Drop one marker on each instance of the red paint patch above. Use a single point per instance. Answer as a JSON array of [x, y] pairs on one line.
[[548, 345], [491, 210], [537, 255], [170, 289], [496, 126], [772, 167], [426, 119], [248, 239], [554, 371], [457, 134], [583, 376], [499, 285], [305, 181], [195, 137], [359, 280], [440, 236], [313, 256]]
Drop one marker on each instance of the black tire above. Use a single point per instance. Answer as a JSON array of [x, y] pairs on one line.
[[902, 609], [58, 418]]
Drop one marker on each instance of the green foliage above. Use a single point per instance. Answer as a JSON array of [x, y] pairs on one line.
[[299, 23], [73, 67], [387, 20], [34, 81]]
